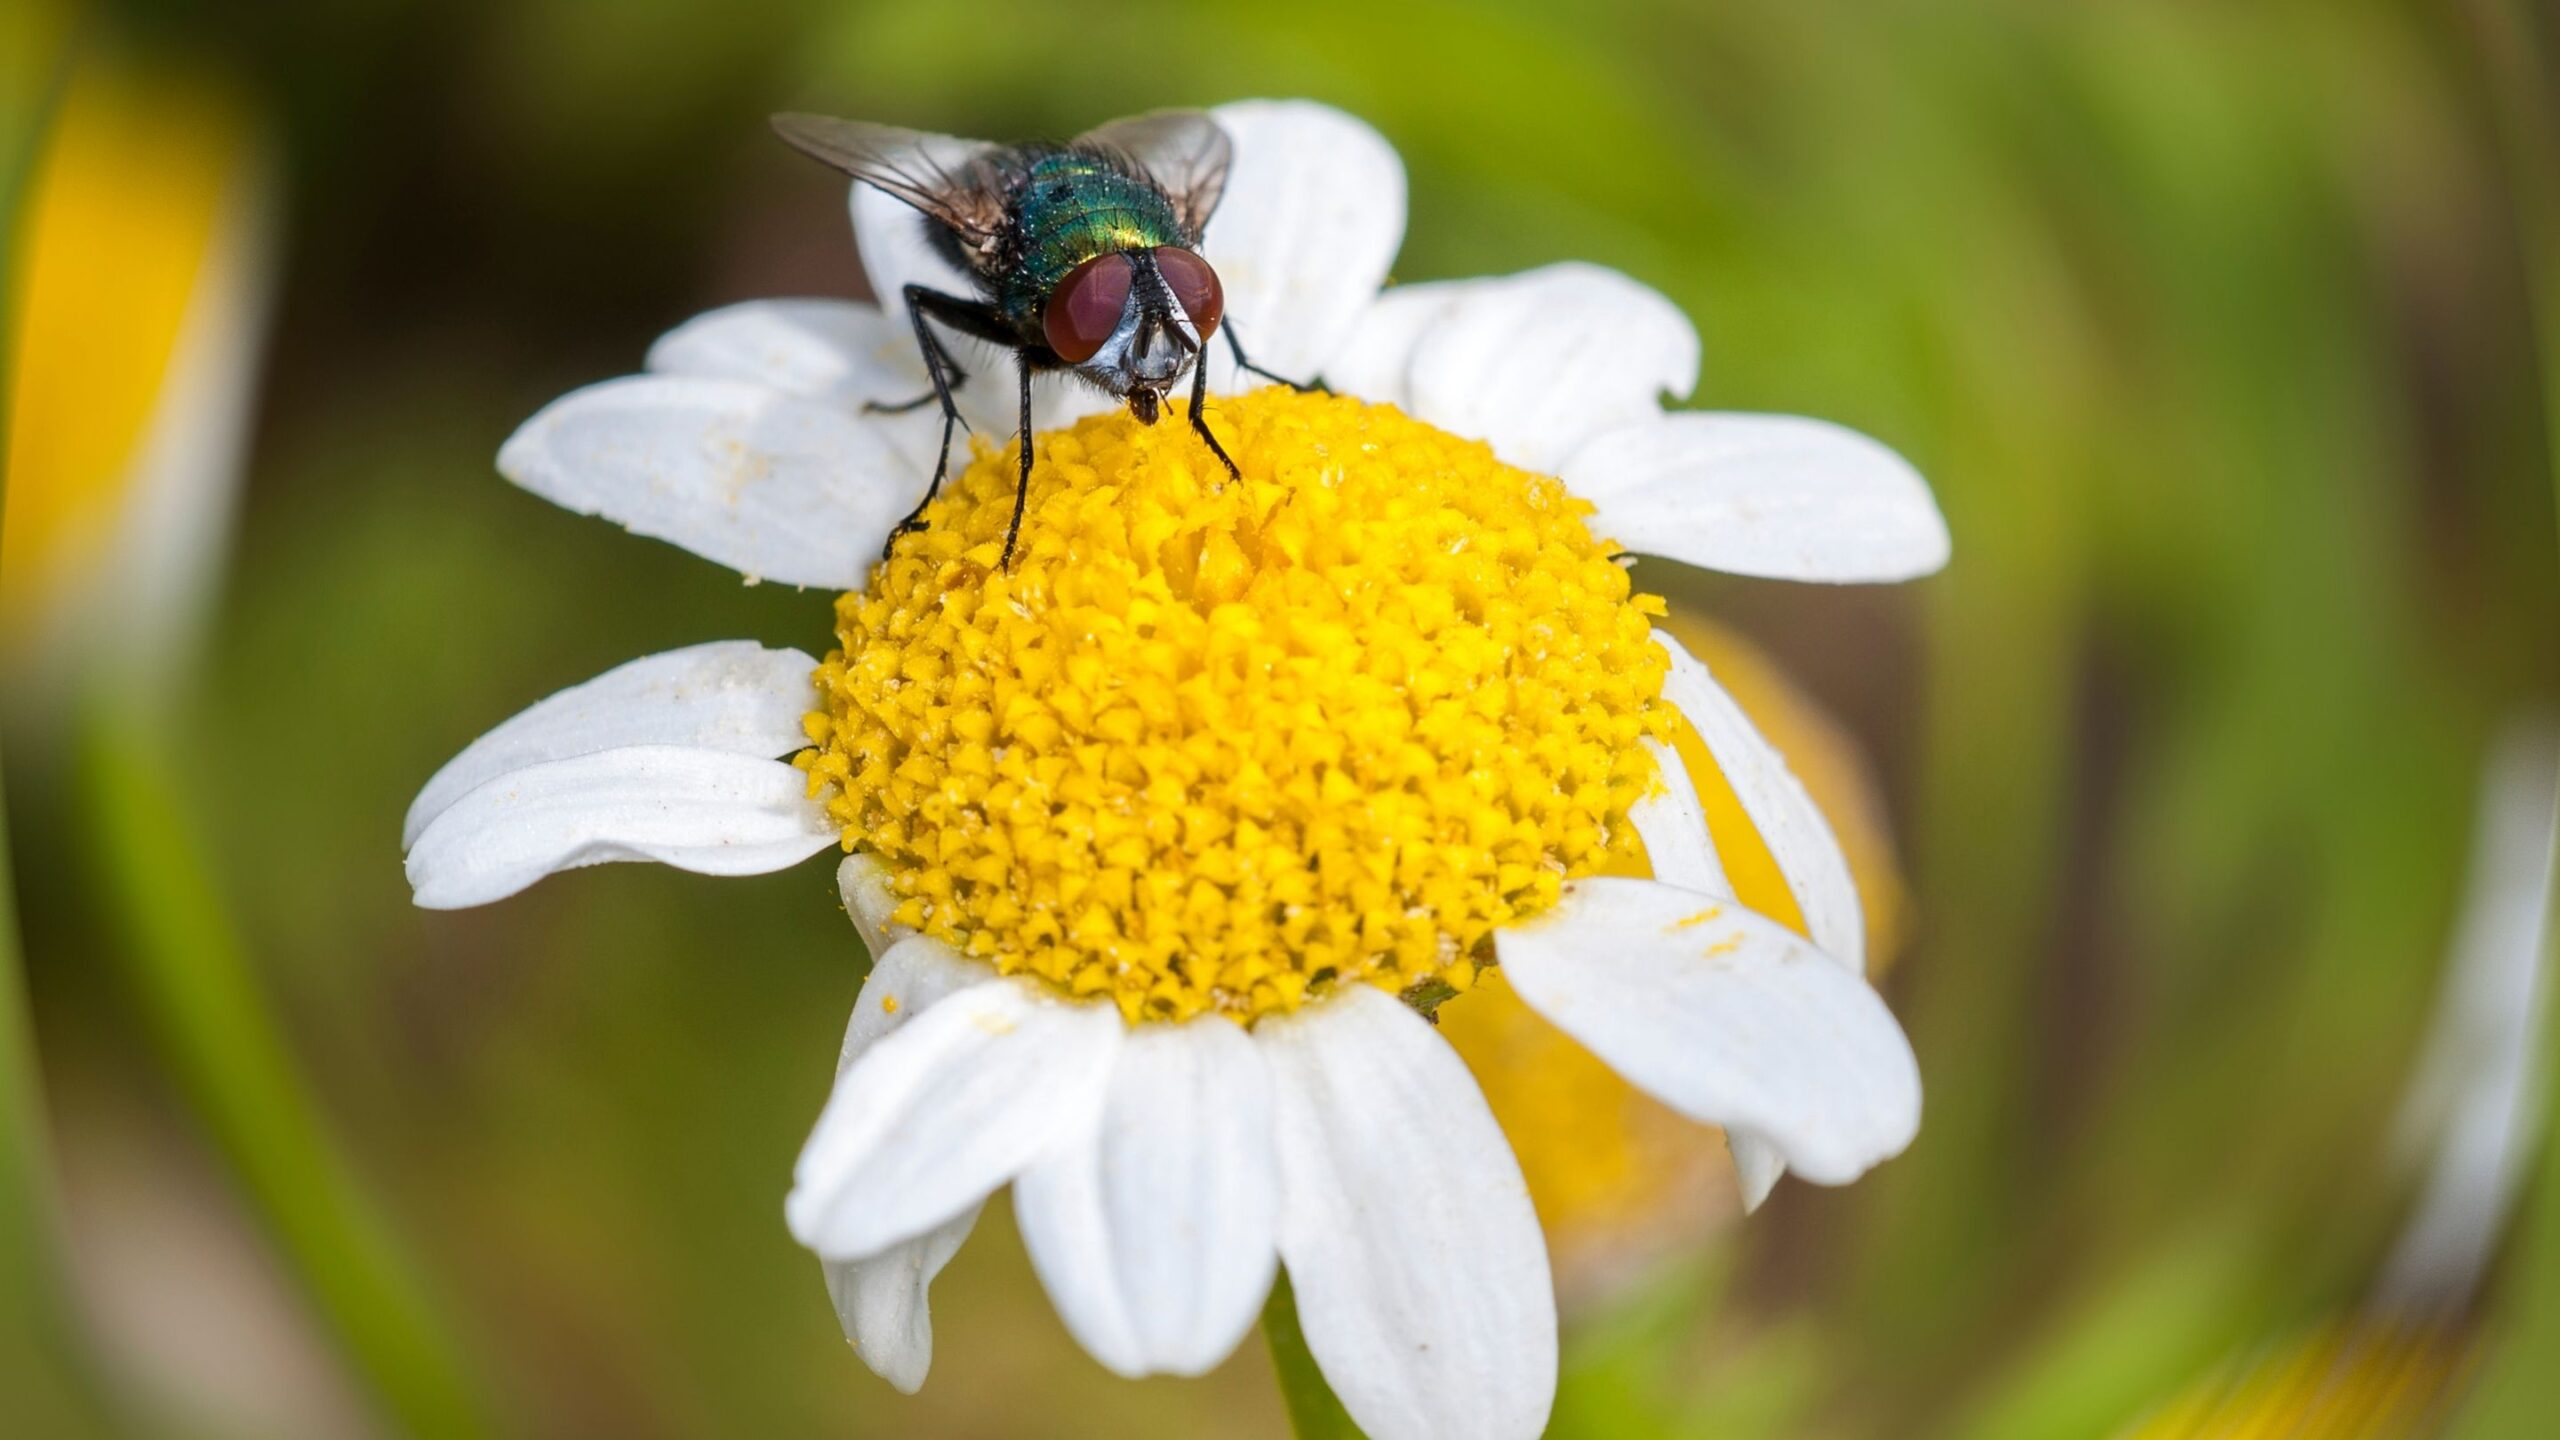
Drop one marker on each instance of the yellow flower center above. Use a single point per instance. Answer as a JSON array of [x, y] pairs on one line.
[[1214, 745]]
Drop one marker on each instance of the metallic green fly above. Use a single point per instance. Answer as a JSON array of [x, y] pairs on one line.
[[1085, 257]]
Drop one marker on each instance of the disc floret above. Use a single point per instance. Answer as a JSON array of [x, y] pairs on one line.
[[1216, 744]]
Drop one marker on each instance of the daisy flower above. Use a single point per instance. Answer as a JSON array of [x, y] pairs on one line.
[[1169, 837]]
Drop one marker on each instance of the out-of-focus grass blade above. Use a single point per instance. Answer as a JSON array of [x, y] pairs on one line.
[[2163, 1316], [44, 1365], [195, 985], [1315, 1413]]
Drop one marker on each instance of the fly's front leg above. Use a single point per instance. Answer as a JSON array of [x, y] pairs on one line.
[[1022, 484], [1200, 418], [1236, 348], [968, 317]]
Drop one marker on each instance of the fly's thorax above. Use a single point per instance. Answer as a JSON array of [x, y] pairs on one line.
[[1070, 207]]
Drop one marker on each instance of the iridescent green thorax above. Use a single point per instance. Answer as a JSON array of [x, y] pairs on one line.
[[1072, 207]]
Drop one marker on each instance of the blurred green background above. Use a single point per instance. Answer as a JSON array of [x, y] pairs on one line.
[[2209, 322]]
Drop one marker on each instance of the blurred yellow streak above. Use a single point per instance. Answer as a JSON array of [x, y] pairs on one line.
[[131, 198], [2362, 1380]]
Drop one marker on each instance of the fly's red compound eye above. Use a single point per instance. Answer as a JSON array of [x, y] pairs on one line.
[[1085, 308], [1195, 287]]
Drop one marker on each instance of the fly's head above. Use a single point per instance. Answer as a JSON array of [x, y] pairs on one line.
[[1134, 322]]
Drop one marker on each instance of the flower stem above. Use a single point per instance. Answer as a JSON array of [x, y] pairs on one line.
[[1314, 1411], [195, 986]]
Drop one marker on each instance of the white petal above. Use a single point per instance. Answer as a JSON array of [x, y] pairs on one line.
[[863, 882], [1420, 1274], [1059, 1205], [1777, 496], [775, 487], [733, 696], [1727, 1017], [840, 351], [909, 977], [2495, 956], [945, 1109], [1375, 361], [882, 1302], [1155, 1235], [895, 254], [1757, 1165], [1809, 856], [1313, 213], [2478, 1099], [698, 810], [1683, 851], [1539, 362], [1673, 825]]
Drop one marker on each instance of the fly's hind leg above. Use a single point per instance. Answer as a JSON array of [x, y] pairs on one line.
[[959, 377], [970, 317]]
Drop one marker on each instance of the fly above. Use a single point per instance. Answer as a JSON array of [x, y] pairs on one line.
[[1085, 258]]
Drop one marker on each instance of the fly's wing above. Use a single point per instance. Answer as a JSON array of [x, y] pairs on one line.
[[944, 176], [1183, 151]]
